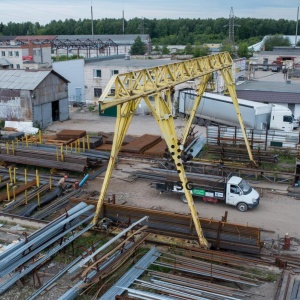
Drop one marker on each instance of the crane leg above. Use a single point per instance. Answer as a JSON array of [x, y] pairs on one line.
[[163, 116], [201, 89], [227, 75], [125, 113]]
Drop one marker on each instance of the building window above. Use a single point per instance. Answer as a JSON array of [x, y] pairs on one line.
[[97, 73], [16, 53], [11, 66], [17, 66], [112, 91], [97, 92], [114, 72], [10, 53], [2, 53]]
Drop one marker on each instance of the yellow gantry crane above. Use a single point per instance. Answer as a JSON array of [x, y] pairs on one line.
[[155, 86]]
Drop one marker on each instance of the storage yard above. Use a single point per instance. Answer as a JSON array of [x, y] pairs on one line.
[[92, 210], [64, 259]]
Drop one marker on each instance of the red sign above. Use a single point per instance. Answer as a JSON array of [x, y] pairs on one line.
[[28, 57]]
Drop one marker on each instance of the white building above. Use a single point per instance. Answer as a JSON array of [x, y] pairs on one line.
[[24, 53]]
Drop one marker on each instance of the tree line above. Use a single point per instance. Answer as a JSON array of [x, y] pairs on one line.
[[162, 31]]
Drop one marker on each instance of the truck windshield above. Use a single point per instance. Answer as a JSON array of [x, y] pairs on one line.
[[288, 119], [245, 187]]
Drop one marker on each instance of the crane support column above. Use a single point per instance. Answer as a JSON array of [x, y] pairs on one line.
[[201, 89], [227, 75], [125, 113], [163, 116]]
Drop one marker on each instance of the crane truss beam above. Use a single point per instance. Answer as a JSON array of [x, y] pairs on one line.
[[142, 83]]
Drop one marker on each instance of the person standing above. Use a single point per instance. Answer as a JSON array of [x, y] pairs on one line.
[[62, 182]]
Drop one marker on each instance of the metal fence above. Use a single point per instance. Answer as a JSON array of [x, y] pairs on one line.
[[258, 139]]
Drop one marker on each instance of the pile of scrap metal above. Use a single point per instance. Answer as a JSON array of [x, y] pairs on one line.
[[25, 256]]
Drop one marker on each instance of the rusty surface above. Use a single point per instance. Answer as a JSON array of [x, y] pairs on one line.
[[142, 143], [157, 150], [231, 237], [18, 190], [70, 134], [42, 163]]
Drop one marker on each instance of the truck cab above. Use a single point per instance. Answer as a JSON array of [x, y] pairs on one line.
[[240, 194], [281, 118]]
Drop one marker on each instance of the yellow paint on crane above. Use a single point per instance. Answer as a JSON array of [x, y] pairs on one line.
[[159, 83]]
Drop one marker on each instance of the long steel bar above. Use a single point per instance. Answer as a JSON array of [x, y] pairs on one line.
[[7, 261], [42, 230], [115, 238], [128, 278], [172, 292], [207, 274], [58, 275], [18, 276], [192, 293], [74, 291], [41, 247]]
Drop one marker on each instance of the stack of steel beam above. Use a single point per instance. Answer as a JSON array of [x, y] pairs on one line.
[[20, 259], [222, 235]]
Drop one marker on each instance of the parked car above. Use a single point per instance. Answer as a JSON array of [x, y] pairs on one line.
[[275, 69], [265, 68]]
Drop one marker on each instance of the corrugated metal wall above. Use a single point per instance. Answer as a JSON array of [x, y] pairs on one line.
[[63, 109], [42, 115]]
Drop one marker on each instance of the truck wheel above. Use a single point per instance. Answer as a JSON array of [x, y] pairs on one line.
[[207, 123], [242, 207], [201, 122], [183, 198]]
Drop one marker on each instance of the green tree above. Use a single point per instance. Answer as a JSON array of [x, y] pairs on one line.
[[228, 47], [200, 51], [165, 50], [188, 49], [276, 40], [138, 47], [243, 50]]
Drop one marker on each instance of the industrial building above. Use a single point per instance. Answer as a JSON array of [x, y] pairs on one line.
[[285, 93], [33, 95]]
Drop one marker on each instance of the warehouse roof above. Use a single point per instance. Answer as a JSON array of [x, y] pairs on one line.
[[117, 38], [131, 63], [269, 92], [24, 79]]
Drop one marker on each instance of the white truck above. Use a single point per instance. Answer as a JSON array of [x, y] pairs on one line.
[[219, 109], [233, 191]]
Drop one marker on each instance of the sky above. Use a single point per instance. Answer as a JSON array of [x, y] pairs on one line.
[[43, 11]]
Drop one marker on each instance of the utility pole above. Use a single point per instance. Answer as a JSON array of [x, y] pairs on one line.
[[231, 26], [123, 23], [296, 37], [92, 20]]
